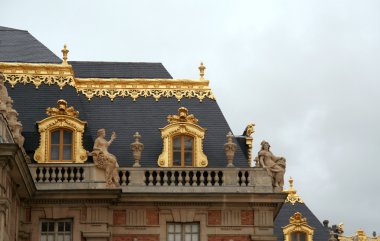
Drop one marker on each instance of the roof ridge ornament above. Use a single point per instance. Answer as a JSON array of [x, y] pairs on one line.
[[62, 109], [202, 71], [64, 51], [293, 197]]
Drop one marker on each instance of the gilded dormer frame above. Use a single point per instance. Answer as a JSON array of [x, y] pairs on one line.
[[297, 223], [61, 117], [182, 124]]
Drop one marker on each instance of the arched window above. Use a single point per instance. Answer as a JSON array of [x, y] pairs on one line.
[[182, 142], [298, 229], [61, 136], [61, 145], [183, 149]]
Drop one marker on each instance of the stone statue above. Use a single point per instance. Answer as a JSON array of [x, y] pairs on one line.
[[105, 160], [274, 165]]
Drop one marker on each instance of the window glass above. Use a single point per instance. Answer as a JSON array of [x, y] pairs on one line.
[[55, 137], [177, 151], [67, 137], [183, 231], [55, 231], [188, 149], [67, 152]]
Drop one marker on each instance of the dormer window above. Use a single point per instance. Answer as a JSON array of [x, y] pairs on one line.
[[61, 136], [183, 146], [61, 145], [182, 142], [298, 229]]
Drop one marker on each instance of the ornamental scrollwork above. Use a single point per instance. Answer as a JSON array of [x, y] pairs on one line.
[[63, 75]]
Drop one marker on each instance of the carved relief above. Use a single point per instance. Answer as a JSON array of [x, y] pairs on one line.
[[61, 117], [182, 124]]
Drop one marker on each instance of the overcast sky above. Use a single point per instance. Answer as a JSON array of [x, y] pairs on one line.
[[306, 72]]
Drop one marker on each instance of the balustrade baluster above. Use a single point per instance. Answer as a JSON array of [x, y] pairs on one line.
[[123, 178], [187, 178], [150, 178], [65, 174], [165, 178], [209, 178], [202, 179], [180, 178]]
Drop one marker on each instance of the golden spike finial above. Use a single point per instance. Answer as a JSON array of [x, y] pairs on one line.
[[292, 193], [65, 51], [202, 71], [291, 184]]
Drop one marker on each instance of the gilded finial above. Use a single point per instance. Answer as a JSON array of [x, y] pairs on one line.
[[292, 193], [202, 71], [65, 51]]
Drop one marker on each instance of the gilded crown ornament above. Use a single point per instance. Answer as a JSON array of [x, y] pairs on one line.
[[62, 109], [183, 116]]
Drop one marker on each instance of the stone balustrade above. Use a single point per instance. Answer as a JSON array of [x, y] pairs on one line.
[[87, 176]]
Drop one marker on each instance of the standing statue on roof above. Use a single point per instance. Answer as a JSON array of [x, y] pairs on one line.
[[105, 160], [274, 165]]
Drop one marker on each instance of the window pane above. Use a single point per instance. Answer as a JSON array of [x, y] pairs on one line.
[[170, 228], [51, 227], [195, 228], [67, 152], [177, 151], [188, 237], [171, 237], [61, 226], [178, 228], [44, 226], [67, 137], [55, 137], [60, 237], [302, 236], [195, 237], [67, 237], [50, 238], [68, 227], [294, 236], [178, 237], [54, 152], [43, 237], [188, 228], [188, 141]]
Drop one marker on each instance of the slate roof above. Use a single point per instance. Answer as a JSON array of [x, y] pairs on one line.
[[125, 117], [20, 46], [288, 210], [128, 70]]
